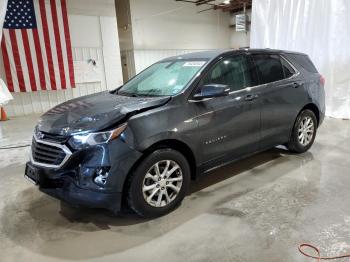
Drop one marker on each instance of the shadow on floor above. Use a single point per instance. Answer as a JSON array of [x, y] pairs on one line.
[[128, 217], [46, 226]]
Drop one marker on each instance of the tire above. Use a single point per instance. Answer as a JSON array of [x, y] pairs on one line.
[[144, 181], [302, 138]]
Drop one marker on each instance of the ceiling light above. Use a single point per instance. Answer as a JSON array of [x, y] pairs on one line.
[[226, 2]]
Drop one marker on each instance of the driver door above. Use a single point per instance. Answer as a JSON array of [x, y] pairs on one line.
[[229, 125]]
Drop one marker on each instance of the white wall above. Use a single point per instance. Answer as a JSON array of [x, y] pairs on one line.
[[111, 51], [81, 37], [154, 29], [92, 7], [167, 24], [164, 28], [144, 58], [94, 34], [3, 5]]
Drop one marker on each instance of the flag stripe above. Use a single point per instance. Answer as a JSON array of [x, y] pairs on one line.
[[6, 36], [34, 59], [47, 44], [39, 59], [7, 65], [58, 43], [63, 43], [22, 59], [53, 45], [68, 42], [41, 45], [29, 60], [17, 59]]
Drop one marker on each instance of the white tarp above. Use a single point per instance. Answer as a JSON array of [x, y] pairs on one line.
[[3, 5], [320, 28], [5, 95]]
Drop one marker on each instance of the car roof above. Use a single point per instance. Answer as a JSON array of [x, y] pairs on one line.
[[200, 55], [270, 51], [212, 54]]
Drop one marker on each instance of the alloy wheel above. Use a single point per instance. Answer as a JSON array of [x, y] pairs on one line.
[[306, 131], [162, 183]]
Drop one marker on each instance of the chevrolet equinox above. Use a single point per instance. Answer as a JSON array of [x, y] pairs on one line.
[[143, 143]]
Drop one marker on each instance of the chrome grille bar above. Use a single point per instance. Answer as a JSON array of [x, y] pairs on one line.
[[48, 154]]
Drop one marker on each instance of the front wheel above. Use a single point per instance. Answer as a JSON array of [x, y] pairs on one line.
[[159, 183], [303, 133]]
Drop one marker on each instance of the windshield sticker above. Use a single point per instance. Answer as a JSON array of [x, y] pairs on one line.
[[194, 63]]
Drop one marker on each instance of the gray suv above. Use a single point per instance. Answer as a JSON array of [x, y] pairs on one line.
[[141, 144]]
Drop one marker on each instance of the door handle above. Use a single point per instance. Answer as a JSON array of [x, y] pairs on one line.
[[251, 97], [295, 85]]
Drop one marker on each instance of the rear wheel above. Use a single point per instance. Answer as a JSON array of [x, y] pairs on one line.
[[159, 183], [303, 133]]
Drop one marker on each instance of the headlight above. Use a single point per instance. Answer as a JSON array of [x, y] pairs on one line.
[[92, 139]]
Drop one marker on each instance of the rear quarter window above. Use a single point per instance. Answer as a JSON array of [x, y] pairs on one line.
[[303, 61], [287, 68]]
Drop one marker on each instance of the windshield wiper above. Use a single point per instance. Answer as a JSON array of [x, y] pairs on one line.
[[152, 92], [126, 94]]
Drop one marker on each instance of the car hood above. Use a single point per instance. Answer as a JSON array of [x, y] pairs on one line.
[[94, 112]]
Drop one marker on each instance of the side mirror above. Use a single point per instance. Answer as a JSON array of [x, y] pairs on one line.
[[211, 90]]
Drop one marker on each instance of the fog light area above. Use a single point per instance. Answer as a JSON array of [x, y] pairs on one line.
[[101, 176]]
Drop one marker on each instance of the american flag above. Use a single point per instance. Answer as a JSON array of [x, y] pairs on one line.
[[36, 46]]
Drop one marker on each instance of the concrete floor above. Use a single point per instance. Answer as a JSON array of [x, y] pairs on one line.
[[258, 209]]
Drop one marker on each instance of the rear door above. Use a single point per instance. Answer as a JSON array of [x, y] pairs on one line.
[[229, 126], [282, 97]]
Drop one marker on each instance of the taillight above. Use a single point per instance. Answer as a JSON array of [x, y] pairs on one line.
[[322, 80]]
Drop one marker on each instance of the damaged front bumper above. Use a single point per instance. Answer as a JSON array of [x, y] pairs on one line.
[[93, 177], [65, 188]]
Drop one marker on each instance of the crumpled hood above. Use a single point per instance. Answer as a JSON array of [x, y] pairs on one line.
[[94, 112]]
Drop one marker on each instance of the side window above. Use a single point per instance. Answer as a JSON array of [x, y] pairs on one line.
[[287, 69], [303, 61], [232, 71], [269, 68]]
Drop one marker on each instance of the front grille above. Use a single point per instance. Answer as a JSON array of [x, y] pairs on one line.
[[48, 154]]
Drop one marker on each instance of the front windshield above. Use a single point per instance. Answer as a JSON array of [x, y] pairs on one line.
[[163, 78]]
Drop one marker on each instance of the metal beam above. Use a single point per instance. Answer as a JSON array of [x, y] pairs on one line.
[[236, 5], [197, 2], [233, 6], [204, 10], [202, 2], [187, 1]]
